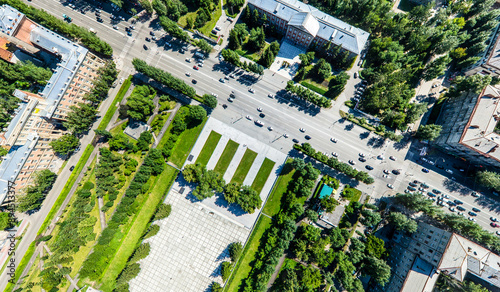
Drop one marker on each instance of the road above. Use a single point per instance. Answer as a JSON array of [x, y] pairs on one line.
[[283, 114]]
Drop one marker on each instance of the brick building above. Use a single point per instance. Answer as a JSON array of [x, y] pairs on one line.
[[38, 119], [307, 26]]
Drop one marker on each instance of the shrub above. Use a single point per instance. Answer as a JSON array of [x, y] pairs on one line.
[[235, 250], [162, 211], [226, 268], [152, 231], [141, 252]]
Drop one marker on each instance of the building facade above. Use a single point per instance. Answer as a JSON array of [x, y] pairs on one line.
[[469, 127], [307, 27], [38, 120]]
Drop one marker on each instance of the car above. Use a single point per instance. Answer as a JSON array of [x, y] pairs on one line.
[[259, 123], [476, 210], [200, 65], [460, 208], [434, 85], [152, 33], [381, 157], [259, 109], [444, 196], [361, 154], [129, 33], [226, 77], [222, 80], [431, 195], [196, 67], [147, 39], [71, 168], [115, 26], [412, 189], [421, 189], [449, 171], [451, 203], [168, 45], [441, 203], [188, 60], [302, 130], [251, 90], [416, 182], [121, 80], [230, 99], [472, 219], [472, 213], [352, 162], [270, 95], [154, 38], [145, 47], [390, 186], [188, 74], [425, 159], [334, 154], [431, 162], [424, 186], [475, 194], [362, 159], [295, 140], [407, 191], [132, 27], [396, 172], [425, 170], [451, 209], [498, 232], [333, 140], [232, 76], [71, 6], [99, 19], [458, 202], [249, 117], [368, 167], [493, 224], [215, 95], [412, 184], [217, 28], [262, 115], [436, 191], [355, 74], [194, 81], [214, 31], [386, 171], [270, 128], [307, 137]]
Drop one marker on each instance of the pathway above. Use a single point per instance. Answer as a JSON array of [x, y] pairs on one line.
[[73, 283], [167, 123], [102, 215]]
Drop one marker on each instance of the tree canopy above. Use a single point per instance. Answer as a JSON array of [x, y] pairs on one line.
[[65, 144]]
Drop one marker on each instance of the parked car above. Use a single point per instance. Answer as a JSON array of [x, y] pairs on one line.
[[412, 189], [458, 202], [390, 186], [431, 194], [307, 137], [333, 140], [352, 162], [472, 213], [369, 167], [476, 210], [396, 172], [493, 224], [425, 170], [460, 208], [392, 158], [362, 159], [449, 171], [475, 194], [493, 219], [436, 191], [412, 184], [72, 168]]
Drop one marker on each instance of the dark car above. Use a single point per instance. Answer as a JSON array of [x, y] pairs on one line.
[[424, 186], [152, 33], [129, 33], [71, 168], [425, 170], [476, 210], [460, 208], [368, 167], [431, 195], [436, 191], [451, 203], [262, 115], [362, 159], [145, 47], [412, 189], [295, 140], [194, 81], [148, 39], [472, 213], [99, 19], [307, 137], [416, 182], [396, 172], [458, 202], [413, 184]]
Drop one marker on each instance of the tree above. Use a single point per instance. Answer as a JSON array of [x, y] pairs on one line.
[[5, 221], [210, 100], [257, 37], [140, 103], [80, 118], [429, 132], [370, 218], [401, 222], [226, 268], [274, 48], [235, 250], [196, 115], [488, 179], [146, 5], [144, 140], [215, 287], [436, 68], [322, 69], [204, 46], [378, 269], [415, 111], [3, 151], [312, 215], [329, 203], [65, 144], [306, 59], [248, 199], [375, 246], [120, 142]]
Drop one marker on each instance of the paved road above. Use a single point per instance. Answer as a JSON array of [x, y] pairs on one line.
[[282, 114]]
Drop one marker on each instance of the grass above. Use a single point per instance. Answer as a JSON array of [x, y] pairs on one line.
[[261, 178], [252, 55], [183, 19], [208, 148], [118, 98], [273, 204], [316, 87], [244, 166], [185, 143], [226, 157], [351, 194], [209, 26], [243, 266], [131, 240]]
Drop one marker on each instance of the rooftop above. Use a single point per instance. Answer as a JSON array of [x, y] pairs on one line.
[[492, 53], [9, 19], [479, 133], [305, 22], [329, 28], [421, 277]]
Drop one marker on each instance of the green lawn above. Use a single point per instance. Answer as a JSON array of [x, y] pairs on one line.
[[209, 26], [351, 194], [249, 54], [226, 157], [243, 266], [314, 86], [183, 20], [131, 240], [208, 148], [261, 178], [273, 204], [184, 144], [244, 166]]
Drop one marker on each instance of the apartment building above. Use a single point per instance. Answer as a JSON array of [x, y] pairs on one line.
[[38, 119], [307, 26]]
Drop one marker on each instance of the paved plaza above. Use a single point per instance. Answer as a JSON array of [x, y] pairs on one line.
[[187, 253]]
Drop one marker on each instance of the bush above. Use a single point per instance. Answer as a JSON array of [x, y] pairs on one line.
[[235, 250], [162, 211], [152, 231], [141, 252], [130, 272], [308, 95], [226, 268]]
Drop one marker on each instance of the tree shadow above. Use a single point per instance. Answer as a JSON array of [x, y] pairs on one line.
[[364, 135], [349, 127], [217, 272], [224, 255], [405, 142], [376, 142]]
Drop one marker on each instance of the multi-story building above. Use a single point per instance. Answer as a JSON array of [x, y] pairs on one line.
[[489, 64], [38, 119], [470, 127], [306, 26], [419, 259]]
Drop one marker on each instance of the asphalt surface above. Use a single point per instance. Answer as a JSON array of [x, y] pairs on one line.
[[284, 114]]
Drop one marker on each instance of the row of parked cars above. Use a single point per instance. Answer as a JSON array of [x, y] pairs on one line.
[[359, 91]]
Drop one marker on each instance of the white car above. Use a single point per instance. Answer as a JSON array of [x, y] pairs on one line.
[[431, 162], [121, 80], [188, 60], [452, 209], [302, 130], [333, 140], [361, 155], [214, 95], [381, 157], [217, 28], [493, 219], [251, 90], [259, 109], [270, 128], [285, 135], [188, 74], [386, 171], [334, 154], [270, 95], [449, 171], [390, 186], [472, 219], [392, 158], [249, 118]]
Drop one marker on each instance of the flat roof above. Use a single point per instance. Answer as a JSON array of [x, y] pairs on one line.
[[479, 132], [331, 29], [421, 278], [9, 19]]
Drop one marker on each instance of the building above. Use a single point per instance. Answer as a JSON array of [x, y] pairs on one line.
[[307, 27], [419, 259], [470, 127], [38, 119], [489, 64]]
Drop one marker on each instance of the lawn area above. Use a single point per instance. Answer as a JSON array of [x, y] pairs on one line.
[[254, 56], [185, 143], [226, 157], [261, 178], [138, 225], [183, 20], [244, 166], [118, 98], [208, 148], [243, 266], [273, 204], [314, 86], [207, 28], [351, 194]]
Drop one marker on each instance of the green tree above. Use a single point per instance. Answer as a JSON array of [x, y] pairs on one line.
[[80, 118], [488, 179], [204, 46], [235, 250], [402, 222], [226, 268], [429, 132], [140, 103], [306, 59], [5, 221], [148, 7], [329, 203], [3, 151], [322, 69], [65, 144], [215, 287], [370, 218], [375, 247], [415, 111], [378, 269], [144, 140], [196, 115], [436, 68], [210, 100], [257, 38]]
